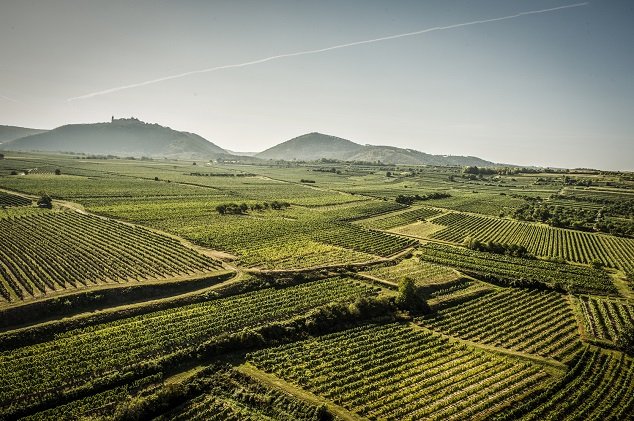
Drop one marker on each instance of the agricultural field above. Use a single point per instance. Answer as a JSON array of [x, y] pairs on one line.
[[407, 373], [534, 322], [605, 318], [575, 246], [173, 290], [58, 251], [512, 270]]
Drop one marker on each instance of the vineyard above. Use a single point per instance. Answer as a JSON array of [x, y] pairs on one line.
[[400, 372], [533, 322], [67, 250], [7, 199], [597, 387], [509, 269], [124, 310], [235, 396], [605, 318], [421, 272], [575, 246], [123, 346], [397, 219]]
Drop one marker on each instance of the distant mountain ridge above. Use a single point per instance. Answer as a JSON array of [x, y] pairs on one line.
[[121, 137], [311, 147], [131, 137], [315, 146], [9, 133]]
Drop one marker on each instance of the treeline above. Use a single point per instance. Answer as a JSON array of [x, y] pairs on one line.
[[615, 219], [515, 250], [409, 199], [243, 208]]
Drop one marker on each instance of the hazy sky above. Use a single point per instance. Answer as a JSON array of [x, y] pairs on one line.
[[554, 88]]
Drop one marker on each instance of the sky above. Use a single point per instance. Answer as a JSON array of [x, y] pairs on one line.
[[554, 88]]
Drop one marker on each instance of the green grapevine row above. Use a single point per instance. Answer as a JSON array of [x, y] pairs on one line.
[[533, 322], [397, 219], [7, 199], [33, 372], [598, 387], [400, 372], [509, 268], [59, 250], [605, 319], [576, 246]]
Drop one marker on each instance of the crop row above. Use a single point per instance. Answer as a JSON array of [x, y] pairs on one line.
[[235, 396], [363, 240], [53, 251], [598, 387], [509, 268], [400, 372], [397, 219], [533, 322], [422, 273], [605, 319], [31, 374], [7, 199], [576, 246]]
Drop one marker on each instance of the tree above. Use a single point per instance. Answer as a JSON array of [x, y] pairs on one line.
[[1, 156], [625, 340], [388, 174], [45, 201], [410, 297], [58, 171]]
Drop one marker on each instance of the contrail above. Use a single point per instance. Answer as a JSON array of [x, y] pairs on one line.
[[322, 50], [8, 99]]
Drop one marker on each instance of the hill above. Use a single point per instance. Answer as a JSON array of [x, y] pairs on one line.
[[315, 146], [121, 137], [311, 147], [9, 133]]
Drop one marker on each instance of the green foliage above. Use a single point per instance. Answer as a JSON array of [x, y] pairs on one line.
[[45, 201], [410, 297], [625, 339], [515, 271]]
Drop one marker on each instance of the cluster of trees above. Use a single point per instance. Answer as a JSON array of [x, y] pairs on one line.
[[409, 199], [243, 208], [304, 180], [410, 297], [515, 250], [45, 201], [579, 218]]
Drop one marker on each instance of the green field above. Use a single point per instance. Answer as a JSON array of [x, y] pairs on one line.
[[329, 291]]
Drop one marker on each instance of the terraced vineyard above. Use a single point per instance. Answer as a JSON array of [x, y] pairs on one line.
[[65, 250], [7, 199], [116, 348], [575, 246], [509, 269], [528, 321], [400, 372], [598, 387], [396, 219], [605, 318]]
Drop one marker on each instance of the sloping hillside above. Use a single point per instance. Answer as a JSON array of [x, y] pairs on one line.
[[310, 147], [9, 133], [121, 137]]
